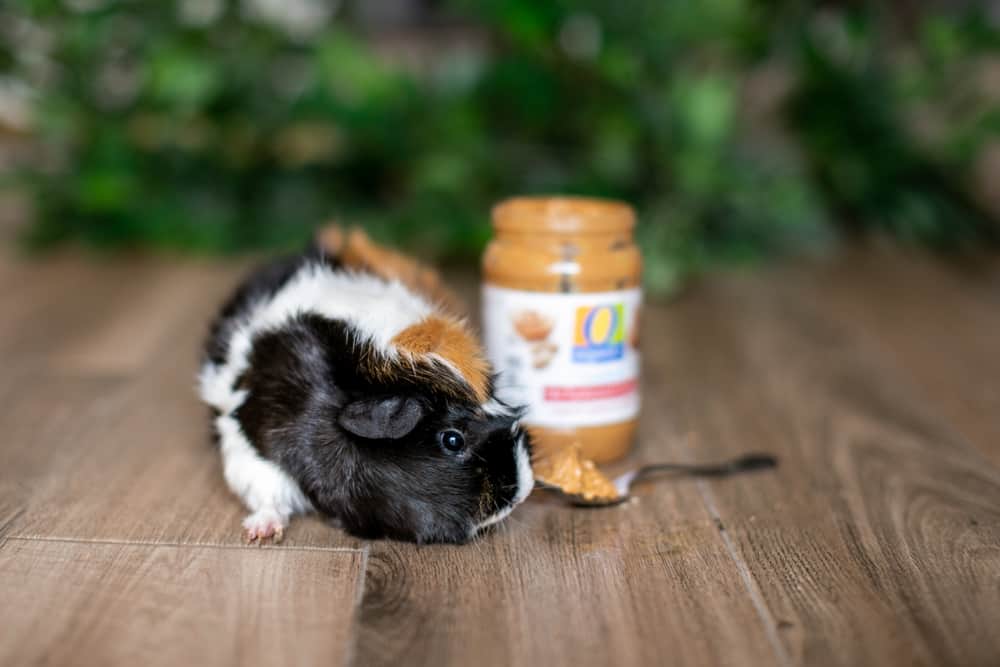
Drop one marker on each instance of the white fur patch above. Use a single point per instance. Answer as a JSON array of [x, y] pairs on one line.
[[525, 483], [495, 408], [525, 476], [376, 308], [262, 485], [496, 518]]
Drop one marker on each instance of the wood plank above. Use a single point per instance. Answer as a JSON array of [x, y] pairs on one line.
[[73, 315], [126, 453], [880, 543], [635, 586], [33, 300], [127, 328], [41, 303], [37, 411], [933, 324], [131, 604]]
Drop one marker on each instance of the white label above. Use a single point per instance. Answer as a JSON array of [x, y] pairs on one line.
[[571, 358]]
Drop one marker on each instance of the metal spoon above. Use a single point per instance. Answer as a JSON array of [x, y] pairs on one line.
[[623, 483]]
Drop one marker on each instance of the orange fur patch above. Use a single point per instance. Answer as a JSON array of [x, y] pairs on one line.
[[442, 335], [451, 341], [357, 251], [331, 239]]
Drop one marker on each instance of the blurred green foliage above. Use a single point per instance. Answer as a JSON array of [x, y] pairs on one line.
[[738, 129]]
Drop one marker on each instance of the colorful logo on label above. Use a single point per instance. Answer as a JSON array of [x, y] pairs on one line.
[[599, 334]]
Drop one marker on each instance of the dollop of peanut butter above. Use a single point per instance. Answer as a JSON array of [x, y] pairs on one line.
[[566, 469]]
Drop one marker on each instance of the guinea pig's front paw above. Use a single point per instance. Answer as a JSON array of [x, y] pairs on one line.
[[263, 525]]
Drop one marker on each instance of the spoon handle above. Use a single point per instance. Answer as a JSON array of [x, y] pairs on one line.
[[744, 463]]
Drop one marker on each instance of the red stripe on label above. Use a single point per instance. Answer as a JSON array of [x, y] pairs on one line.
[[593, 393]]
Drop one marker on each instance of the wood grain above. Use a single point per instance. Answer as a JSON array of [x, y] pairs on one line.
[[128, 604], [933, 324], [648, 583], [881, 542]]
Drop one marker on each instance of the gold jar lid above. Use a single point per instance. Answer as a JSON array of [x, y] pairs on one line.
[[570, 215]]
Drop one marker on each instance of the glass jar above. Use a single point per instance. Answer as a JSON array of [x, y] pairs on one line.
[[561, 301]]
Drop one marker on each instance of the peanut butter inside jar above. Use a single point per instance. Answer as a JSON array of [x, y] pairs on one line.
[[561, 303]]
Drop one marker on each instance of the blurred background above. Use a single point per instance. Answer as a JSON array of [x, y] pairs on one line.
[[740, 130]]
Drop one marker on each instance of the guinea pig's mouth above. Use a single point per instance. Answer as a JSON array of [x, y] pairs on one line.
[[525, 483]]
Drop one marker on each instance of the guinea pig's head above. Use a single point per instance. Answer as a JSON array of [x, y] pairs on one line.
[[430, 469]]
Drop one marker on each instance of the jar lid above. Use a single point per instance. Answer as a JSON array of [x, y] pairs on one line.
[[574, 215]]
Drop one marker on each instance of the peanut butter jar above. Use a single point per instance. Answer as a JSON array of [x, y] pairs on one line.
[[561, 300]]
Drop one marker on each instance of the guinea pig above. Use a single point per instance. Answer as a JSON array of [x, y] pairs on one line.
[[344, 392]]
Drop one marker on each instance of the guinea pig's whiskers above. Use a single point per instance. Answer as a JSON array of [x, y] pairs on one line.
[[507, 526]]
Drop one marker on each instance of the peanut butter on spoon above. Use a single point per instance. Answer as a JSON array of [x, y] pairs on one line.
[[567, 471]]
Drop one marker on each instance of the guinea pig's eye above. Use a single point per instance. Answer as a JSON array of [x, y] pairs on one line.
[[452, 440]]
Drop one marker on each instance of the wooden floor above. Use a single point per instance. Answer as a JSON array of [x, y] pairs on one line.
[[875, 378]]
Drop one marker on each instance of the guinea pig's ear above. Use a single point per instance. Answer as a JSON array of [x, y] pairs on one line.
[[381, 418]]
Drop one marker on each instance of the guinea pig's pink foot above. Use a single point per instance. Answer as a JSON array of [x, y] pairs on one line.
[[263, 525]]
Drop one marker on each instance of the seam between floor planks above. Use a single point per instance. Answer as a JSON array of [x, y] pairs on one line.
[[359, 597], [210, 545], [756, 598], [746, 577]]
